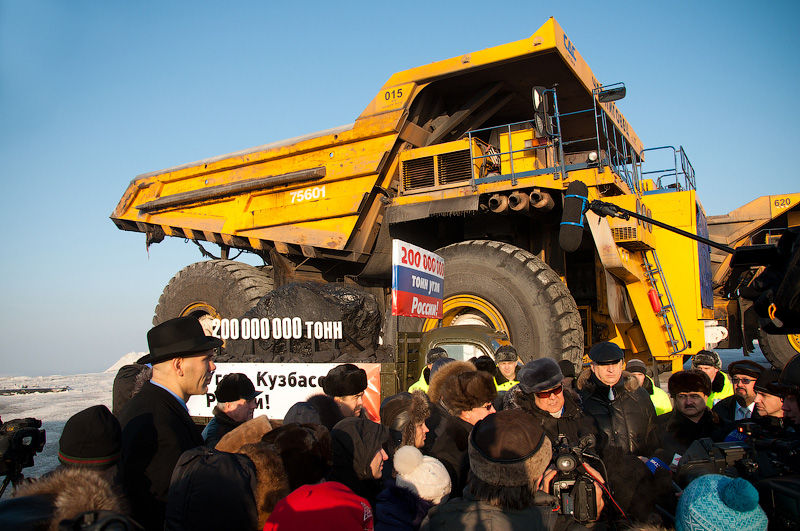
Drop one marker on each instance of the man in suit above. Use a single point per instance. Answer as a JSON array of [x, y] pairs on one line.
[[156, 426]]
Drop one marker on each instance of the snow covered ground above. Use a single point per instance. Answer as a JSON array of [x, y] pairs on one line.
[[86, 390], [53, 409]]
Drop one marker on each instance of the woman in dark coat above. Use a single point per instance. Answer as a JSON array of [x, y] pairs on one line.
[[358, 456]]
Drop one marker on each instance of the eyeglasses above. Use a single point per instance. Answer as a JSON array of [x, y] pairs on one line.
[[553, 391], [745, 381]]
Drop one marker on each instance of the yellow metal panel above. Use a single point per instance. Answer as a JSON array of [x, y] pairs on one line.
[[778, 204]]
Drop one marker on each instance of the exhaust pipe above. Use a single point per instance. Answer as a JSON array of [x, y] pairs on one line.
[[519, 202], [542, 200], [498, 204]]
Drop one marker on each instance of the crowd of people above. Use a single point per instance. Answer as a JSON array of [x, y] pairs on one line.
[[473, 445]]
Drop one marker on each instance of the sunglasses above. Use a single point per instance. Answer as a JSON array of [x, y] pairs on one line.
[[746, 381], [553, 391]]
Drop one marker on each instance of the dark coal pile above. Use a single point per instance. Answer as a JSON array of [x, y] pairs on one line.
[[357, 310]]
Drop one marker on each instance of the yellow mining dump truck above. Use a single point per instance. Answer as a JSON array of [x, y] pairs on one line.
[[469, 157], [759, 224]]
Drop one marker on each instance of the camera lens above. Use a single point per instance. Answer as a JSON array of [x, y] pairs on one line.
[[566, 463]]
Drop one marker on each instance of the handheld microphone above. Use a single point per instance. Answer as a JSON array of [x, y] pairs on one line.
[[575, 204]]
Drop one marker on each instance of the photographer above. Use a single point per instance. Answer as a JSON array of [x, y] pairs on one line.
[[508, 456]]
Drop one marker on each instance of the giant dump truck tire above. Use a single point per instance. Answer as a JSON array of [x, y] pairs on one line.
[[519, 290], [779, 349], [215, 288]]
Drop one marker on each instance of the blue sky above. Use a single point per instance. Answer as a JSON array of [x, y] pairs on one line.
[[94, 93]]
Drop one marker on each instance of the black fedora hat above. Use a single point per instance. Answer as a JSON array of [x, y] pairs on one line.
[[182, 336]]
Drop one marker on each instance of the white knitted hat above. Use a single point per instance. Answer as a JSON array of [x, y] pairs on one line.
[[423, 475]]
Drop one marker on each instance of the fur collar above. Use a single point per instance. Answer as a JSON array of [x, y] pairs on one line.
[[73, 491], [589, 384]]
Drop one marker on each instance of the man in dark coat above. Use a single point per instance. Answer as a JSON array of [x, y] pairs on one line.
[[740, 405], [691, 419], [236, 402], [466, 394], [156, 426], [541, 393], [622, 409]]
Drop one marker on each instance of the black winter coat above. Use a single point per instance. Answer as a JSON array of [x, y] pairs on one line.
[[676, 432], [450, 448], [627, 422], [399, 509], [726, 409], [156, 430], [572, 423], [212, 490], [218, 427]]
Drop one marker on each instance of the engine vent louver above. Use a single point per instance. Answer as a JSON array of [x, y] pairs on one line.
[[454, 167], [418, 173]]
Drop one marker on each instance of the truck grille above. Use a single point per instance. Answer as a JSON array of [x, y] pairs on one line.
[[454, 167], [436, 170], [418, 173]]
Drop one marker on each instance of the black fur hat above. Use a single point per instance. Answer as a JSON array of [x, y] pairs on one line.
[[691, 381], [540, 375], [484, 363], [505, 353], [509, 449], [344, 380]]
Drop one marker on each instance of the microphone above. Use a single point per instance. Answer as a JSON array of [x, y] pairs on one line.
[[575, 204]]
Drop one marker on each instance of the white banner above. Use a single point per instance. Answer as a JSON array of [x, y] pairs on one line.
[[282, 385]]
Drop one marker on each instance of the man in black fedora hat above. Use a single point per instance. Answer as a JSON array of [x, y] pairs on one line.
[[156, 426]]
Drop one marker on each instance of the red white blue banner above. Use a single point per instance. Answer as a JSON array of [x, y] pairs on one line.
[[417, 281]]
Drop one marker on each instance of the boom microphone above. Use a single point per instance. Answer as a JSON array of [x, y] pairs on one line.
[[575, 202]]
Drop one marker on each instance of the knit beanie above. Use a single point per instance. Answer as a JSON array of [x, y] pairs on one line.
[[344, 380], [635, 365], [505, 353], [707, 357], [713, 502], [423, 475], [509, 449], [436, 353], [91, 438]]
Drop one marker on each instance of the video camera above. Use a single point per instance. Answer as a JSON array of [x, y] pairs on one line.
[[572, 485], [767, 460], [20, 440]]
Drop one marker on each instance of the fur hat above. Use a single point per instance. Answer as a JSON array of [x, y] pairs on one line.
[[436, 353], [401, 413], [423, 475], [505, 353], [635, 365], [484, 363], [509, 449], [91, 438], [441, 371], [747, 367], [567, 368], [305, 450], [467, 390], [691, 381], [344, 380], [766, 382], [719, 502], [540, 375], [606, 352], [706, 357]]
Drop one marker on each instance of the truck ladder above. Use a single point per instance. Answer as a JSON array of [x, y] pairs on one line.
[[667, 314]]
